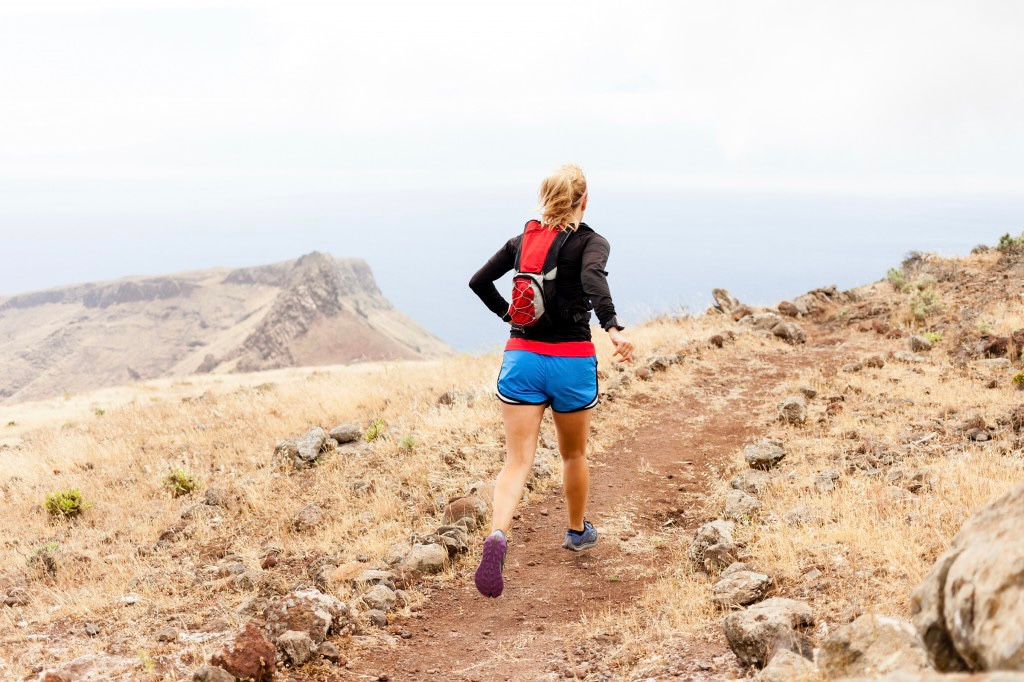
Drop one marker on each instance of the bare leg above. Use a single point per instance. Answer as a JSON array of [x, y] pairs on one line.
[[573, 429], [522, 428]]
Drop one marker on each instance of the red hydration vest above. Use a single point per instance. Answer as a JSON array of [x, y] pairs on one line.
[[533, 285]]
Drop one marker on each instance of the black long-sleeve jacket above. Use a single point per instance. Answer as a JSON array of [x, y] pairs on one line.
[[581, 284]]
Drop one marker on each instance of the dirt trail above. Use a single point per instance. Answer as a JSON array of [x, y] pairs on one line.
[[652, 477]]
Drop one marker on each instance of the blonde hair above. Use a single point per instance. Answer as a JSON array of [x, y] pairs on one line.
[[561, 194]]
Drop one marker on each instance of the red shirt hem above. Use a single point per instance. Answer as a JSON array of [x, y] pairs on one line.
[[566, 349]]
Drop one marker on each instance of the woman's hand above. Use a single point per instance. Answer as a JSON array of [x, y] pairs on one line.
[[623, 347]]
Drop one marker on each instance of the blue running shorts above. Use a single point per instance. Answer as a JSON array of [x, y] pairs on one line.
[[567, 384]]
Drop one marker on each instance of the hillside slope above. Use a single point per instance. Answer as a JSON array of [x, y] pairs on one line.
[[310, 311]]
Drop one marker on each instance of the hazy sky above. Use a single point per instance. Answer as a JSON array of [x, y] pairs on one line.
[[144, 136]]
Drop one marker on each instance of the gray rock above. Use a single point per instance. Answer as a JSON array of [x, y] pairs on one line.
[[763, 321], [969, 610], [739, 588], [740, 505], [793, 410], [309, 611], [345, 433], [993, 363], [932, 676], [758, 632], [377, 617], [379, 597], [751, 481], [296, 646], [919, 344], [426, 559], [790, 332], [806, 304], [308, 518], [211, 673], [217, 497], [659, 363], [870, 646], [712, 545], [330, 651], [825, 481], [167, 634], [764, 454], [309, 447], [808, 392], [908, 357], [725, 301], [788, 666], [852, 367]]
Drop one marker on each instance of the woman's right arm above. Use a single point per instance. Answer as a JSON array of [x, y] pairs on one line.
[[482, 283]]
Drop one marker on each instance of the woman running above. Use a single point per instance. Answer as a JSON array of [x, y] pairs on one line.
[[551, 362]]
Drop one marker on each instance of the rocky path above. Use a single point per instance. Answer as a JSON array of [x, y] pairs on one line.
[[649, 485]]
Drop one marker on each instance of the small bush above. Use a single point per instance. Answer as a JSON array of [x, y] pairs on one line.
[[1011, 245], [1018, 380], [180, 482], [66, 504], [45, 558], [934, 337], [100, 412], [408, 442], [375, 431], [897, 278], [12, 423], [924, 303]]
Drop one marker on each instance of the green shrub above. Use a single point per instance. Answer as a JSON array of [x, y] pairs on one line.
[[408, 442], [897, 278], [180, 482], [934, 337], [12, 423], [925, 302], [66, 504], [375, 431], [100, 412], [45, 558], [1011, 245]]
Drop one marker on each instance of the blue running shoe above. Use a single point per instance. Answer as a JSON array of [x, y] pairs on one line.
[[488, 574], [578, 543]]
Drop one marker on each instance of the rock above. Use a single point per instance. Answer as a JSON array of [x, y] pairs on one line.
[[808, 392], [216, 497], [469, 507], [919, 344], [643, 373], [741, 312], [758, 632], [712, 546], [425, 559], [296, 646], [380, 597], [308, 518], [90, 668], [287, 449], [763, 321], [740, 505], [659, 363], [249, 654], [790, 332], [377, 617], [793, 410], [750, 481], [932, 676], [852, 367], [739, 588], [825, 481], [718, 341], [874, 361], [345, 433], [15, 596], [993, 363], [309, 447], [167, 634], [210, 673], [309, 611], [788, 309], [806, 304], [764, 454], [969, 610], [725, 301], [330, 651], [788, 666], [870, 646], [908, 357], [482, 489]]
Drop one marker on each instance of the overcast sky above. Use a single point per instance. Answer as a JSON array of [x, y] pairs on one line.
[[146, 136]]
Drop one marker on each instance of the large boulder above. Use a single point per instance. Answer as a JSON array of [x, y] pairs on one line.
[[296, 646], [740, 506], [309, 446], [248, 655], [970, 608], [788, 666], [755, 634], [345, 433], [872, 645], [470, 507], [724, 301], [739, 588], [790, 332], [426, 559]]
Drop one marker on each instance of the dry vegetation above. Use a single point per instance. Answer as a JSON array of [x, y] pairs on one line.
[[907, 478]]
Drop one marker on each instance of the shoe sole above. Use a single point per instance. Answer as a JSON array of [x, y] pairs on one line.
[[488, 577]]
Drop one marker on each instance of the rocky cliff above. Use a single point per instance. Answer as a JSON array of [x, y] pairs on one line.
[[311, 311]]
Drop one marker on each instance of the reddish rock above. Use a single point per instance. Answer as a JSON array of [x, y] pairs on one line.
[[993, 346], [249, 654], [470, 507], [741, 312], [717, 340], [788, 309], [643, 373]]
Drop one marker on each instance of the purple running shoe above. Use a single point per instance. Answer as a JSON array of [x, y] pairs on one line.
[[488, 575]]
